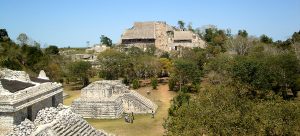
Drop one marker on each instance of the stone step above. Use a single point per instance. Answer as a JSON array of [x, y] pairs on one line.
[[55, 127], [87, 131], [143, 100], [77, 129], [58, 128], [63, 130], [81, 130], [71, 129]]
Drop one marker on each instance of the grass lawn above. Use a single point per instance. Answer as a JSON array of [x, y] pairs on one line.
[[143, 124]]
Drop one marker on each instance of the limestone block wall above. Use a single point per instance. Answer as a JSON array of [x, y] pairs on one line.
[[98, 109], [6, 121], [57, 99], [161, 41], [19, 116], [39, 106]]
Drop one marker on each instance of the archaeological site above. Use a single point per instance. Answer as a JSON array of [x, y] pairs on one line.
[[109, 99], [28, 107], [160, 34]]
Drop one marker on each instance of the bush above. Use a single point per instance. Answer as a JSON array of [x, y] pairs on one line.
[[135, 84], [154, 83], [172, 85], [223, 111]]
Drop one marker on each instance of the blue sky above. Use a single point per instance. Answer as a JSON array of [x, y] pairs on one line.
[[73, 22]]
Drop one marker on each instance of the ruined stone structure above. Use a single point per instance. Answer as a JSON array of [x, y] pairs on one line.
[[60, 121], [109, 99], [160, 34], [22, 96], [97, 48]]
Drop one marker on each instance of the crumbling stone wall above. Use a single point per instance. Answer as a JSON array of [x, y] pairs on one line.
[[161, 41]]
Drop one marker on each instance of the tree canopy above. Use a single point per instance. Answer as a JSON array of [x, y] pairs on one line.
[[105, 41]]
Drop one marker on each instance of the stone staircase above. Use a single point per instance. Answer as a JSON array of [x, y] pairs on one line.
[[61, 123], [133, 95], [80, 128], [104, 109]]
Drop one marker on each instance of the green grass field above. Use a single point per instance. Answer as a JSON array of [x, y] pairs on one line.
[[143, 124]]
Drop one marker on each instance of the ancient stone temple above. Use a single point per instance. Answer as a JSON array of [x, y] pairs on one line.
[[60, 121], [21, 96], [109, 99], [160, 34]]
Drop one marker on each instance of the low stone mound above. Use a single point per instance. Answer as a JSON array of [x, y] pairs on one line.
[[59, 121]]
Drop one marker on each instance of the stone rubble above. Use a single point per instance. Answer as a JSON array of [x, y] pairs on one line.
[[56, 121]]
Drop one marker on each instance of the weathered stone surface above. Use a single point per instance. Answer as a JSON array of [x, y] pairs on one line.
[[109, 99], [16, 106], [59, 121], [14, 75], [42, 75]]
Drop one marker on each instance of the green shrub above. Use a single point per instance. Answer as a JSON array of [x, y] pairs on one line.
[[154, 83], [172, 85], [135, 84]]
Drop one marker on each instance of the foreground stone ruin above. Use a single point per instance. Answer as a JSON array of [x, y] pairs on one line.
[[60, 121], [21, 96], [109, 99]]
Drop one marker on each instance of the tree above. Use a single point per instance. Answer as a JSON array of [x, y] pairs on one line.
[[190, 27], [243, 33], [185, 72], [181, 25], [146, 66], [4, 35], [114, 64], [265, 39], [23, 38], [52, 50], [166, 66], [215, 37], [220, 110], [240, 44], [261, 72], [296, 37], [81, 70], [105, 41]]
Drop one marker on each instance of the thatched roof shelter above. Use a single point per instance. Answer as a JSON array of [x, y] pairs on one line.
[[140, 30], [183, 35]]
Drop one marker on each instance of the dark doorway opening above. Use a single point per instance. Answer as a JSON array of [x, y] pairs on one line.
[[53, 101], [29, 113]]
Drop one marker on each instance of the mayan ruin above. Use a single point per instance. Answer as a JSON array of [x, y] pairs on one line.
[[150, 68], [160, 34], [60, 121], [109, 100], [22, 96]]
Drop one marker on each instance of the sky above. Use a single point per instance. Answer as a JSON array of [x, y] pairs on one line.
[[74, 22]]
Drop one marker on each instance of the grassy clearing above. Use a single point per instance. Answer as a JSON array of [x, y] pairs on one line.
[[143, 124]]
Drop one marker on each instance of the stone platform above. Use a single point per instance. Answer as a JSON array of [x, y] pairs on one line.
[[109, 99]]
